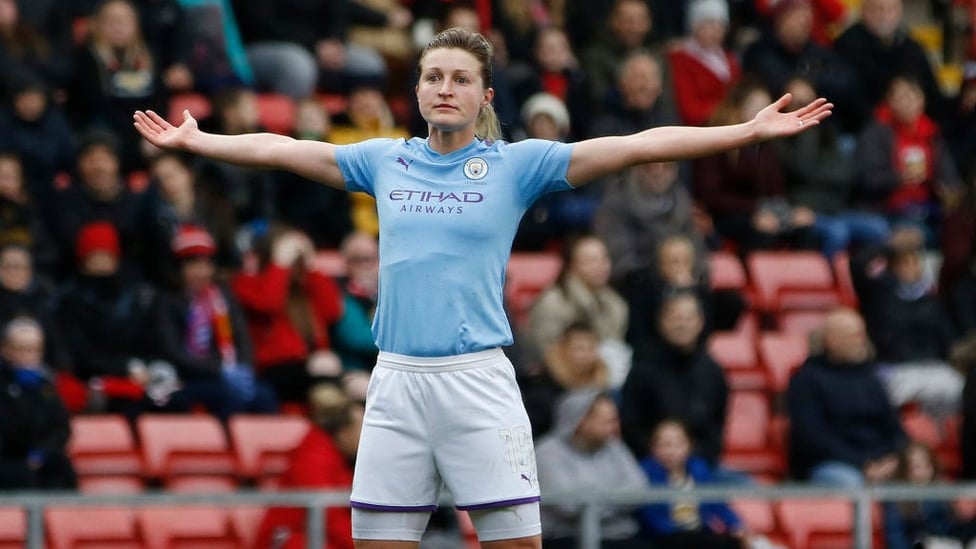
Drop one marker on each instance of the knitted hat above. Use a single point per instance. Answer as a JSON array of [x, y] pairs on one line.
[[782, 7], [548, 104], [192, 241], [701, 11], [98, 236]]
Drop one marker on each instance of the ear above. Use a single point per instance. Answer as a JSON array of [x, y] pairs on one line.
[[489, 96]]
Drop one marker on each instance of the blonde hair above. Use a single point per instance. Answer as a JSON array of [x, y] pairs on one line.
[[486, 126]]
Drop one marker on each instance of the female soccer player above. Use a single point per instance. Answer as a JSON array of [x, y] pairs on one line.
[[443, 405]]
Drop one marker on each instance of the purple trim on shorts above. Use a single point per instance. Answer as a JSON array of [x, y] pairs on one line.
[[394, 508], [496, 504]]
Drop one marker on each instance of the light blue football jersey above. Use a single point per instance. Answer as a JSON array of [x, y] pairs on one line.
[[446, 228]]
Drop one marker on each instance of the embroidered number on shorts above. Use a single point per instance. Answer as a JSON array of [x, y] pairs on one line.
[[518, 448]]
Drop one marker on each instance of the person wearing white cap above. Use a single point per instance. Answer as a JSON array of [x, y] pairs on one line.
[[702, 70], [545, 117]]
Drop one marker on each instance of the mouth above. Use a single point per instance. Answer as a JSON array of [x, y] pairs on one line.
[[445, 106]]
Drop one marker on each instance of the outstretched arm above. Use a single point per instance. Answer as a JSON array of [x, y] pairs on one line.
[[314, 160], [595, 158]]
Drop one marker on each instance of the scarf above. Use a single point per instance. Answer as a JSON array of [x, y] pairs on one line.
[[209, 320]]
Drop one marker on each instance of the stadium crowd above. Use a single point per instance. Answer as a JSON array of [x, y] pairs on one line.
[[135, 280]]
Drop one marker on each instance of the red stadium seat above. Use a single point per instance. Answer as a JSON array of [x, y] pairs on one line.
[[13, 528], [528, 274], [245, 521], [111, 485], [197, 103], [262, 443], [920, 427], [842, 273], [187, 444], [735, 352], [92, 527], [726, 271], [334, 103], [186, 527], [819, 524], [781, 354], [748, 446], [202, 484], [276, 113], [758, 518], [103, 445], [792, 280], [801, 322]]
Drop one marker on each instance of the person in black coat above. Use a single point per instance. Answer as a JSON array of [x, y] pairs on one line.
[[907, 322], [35, 428], [843, 429], [676, 378]]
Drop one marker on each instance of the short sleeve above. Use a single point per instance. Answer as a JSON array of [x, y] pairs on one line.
[[540, 166], [356, 162]]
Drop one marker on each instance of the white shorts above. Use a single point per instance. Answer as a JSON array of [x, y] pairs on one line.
[[457, 422]]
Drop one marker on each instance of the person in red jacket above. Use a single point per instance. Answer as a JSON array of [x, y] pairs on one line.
[[323, 459], [289, 307], [702, 70]]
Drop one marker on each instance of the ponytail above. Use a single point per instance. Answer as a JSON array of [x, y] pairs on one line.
[[487, 127]]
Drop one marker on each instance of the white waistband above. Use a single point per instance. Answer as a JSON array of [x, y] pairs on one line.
[[439, 363]]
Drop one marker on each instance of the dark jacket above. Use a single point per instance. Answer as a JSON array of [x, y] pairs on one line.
[[170, 314], [669, 384], [875, 64], [903, 324], [736, 183], [819, 175], [45, 147], [839, 413], [33, 418]]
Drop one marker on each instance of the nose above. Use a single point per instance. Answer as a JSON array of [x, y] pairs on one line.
[[447, 88]]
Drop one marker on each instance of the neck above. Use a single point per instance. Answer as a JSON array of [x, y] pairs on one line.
[[448, 141]]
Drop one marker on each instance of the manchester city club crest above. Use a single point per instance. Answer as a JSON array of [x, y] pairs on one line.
[[476, 168]]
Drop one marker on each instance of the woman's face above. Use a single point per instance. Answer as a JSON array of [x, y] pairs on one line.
[[11, 179], [709, 34], [591, 262], [450, 91], [118, 24], [198, 273], [175, 180], [16, 269], [366, 106], [671, 446], [582, 350], [676, 262]]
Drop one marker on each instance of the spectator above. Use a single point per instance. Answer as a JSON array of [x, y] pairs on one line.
[[35, 426], [674, 377], [321, 212], [703, 71], [879, 47], [176, 198], [105, 321], [115, 73], [202, 332], [828, 17], [744, 191], [572, 362], [322, 461], [906, 169], [352, 333], [820, 174], [20, 221], [582, 293], [296, 46], [53, 22], [26, 52], [910, 328], [367, 116], [24, 293], [217, 59], [628, 29], [678, 267], [37, 130], [928, 522], [167, 33], [639, 209], [289, 307], [584, 453], [554, 70], [100, 194], [670, 463], [251, 191], [640, 105], [843, 429], [788, 51]]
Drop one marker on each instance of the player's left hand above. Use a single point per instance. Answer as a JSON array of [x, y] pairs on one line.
[[772, 122]]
